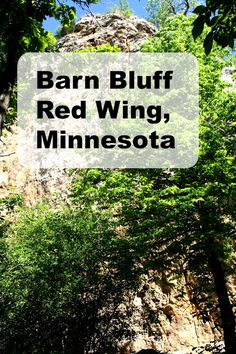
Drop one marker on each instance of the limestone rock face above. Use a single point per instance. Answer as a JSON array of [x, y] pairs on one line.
[[163, 322], [33, 185], [114, 29]]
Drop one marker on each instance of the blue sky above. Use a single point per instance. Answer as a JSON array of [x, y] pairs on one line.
[[138, 7]]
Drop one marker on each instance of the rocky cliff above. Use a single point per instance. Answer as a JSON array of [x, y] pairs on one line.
[[165, 322], [91, 31], [158, 318], [114, 29]]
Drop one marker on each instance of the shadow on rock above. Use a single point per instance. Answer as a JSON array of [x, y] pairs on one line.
[[148, 351]]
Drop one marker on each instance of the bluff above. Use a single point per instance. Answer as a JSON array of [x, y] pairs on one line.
[[157, 317], [114, 29]]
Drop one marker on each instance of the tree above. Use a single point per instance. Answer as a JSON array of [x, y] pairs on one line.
[[220, 16], [182, 220], [21, 30], [160, 10], [64, 30], [123, 8], [62, 278]]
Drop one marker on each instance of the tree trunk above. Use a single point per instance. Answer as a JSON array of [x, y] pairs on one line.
[[7, 80], [226, 310], [5, 95]]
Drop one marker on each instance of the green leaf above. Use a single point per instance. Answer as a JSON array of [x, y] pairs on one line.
[[208, 41], [231, 42], [214, 20], [199, 9], [198, 26]]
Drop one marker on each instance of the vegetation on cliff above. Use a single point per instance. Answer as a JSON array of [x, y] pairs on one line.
[[65, 270]]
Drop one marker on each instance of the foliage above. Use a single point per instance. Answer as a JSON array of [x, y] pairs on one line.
[[64, 30], [50, 43], [28, 16], [12, 110], [181, 220], [8, 206], [11, 201], [21, 25], [220, 17], [59, 269], [160, 10], [123, 9], [21, 31], [104, 48]]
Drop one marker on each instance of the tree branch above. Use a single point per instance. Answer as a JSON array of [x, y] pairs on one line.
[[187, 6], [9, 154]]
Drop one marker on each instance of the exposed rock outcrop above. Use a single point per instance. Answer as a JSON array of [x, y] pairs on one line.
[[161, 320], [33, 185], [91, 31], [114, 29]]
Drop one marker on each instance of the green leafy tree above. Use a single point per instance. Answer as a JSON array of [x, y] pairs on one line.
[[220, 17], [65, 29], [123, 8], [160, 10], [21, 31], [182, 220], [60, 270]]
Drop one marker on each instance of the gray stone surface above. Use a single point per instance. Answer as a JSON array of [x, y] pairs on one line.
[[114, 29]]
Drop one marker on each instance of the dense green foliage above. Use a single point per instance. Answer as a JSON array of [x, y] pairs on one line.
[[104, 48], [160, 10], [27, 17], [182, 220], [123, 9], [65, 29], [60, 268], [21, 25], [21, 31], [220, 16]]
